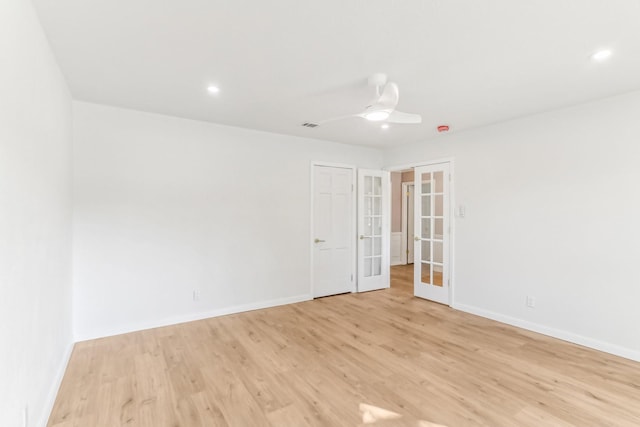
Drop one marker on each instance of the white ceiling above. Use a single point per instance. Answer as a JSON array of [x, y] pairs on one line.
[[280, 63]]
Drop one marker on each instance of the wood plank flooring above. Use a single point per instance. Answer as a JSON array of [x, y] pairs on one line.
[[402, 278], [320, 363]]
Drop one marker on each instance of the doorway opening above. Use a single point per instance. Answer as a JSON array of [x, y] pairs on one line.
[[402, 224]]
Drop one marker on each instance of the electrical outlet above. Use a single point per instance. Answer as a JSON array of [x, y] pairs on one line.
[[531, 302], [196, 295]]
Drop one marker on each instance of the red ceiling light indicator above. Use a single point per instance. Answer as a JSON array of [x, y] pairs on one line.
[[443, 128]]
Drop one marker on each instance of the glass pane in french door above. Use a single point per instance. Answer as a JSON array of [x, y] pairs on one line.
[[377, 226], [437, 229], [427, 221], [426, 272], [373, 226], [438, 179]]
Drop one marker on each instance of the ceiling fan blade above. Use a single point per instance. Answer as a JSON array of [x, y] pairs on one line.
[[390, 96], [335, 119], [404, 118]]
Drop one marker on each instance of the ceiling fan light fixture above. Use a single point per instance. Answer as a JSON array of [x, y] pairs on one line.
[[601, 55], [377, 116]]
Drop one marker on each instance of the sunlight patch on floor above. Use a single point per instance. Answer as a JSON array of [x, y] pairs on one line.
[[373, 414]]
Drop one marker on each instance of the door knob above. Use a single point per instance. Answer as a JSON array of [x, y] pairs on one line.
[[416, 238], [318, 240], [362, 237]]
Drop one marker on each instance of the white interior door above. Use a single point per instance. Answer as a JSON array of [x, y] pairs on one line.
[[432, 228], [333, 241], [374, 216]]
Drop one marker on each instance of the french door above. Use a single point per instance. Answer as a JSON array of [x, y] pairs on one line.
[[432, 232], [373, 229]]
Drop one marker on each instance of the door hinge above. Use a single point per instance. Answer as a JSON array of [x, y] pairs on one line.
[[352, 277], [352, 188], [407, 194], [407, 251]]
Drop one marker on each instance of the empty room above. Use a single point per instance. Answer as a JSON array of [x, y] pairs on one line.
[[333, 213]]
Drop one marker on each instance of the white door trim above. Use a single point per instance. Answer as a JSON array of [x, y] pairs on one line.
[[405, 189], [396, 168], [452, 213], [353, 221]]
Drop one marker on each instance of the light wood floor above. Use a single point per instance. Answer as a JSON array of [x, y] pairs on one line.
[[402, 278], [315, 363]]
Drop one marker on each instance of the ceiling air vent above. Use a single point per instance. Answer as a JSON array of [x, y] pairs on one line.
[[310, 125]]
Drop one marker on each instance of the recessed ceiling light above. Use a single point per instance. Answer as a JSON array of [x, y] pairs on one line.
[[376, 116], [213, 90], [601, 55], [385, 126]]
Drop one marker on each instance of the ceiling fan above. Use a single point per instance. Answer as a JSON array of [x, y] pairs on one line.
[[383, 107]]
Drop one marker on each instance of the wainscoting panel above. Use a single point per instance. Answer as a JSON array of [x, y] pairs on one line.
[[396, 248]]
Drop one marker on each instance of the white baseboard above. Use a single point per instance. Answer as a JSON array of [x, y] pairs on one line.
[[617, 350], [192, 317], [53, 391]]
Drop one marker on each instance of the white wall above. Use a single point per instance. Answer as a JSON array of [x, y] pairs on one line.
[[35, 219], [552, 207], [164, 206]]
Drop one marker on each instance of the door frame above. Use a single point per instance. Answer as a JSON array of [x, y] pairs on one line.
[[353, 216], [452, 213], [405, 222]]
